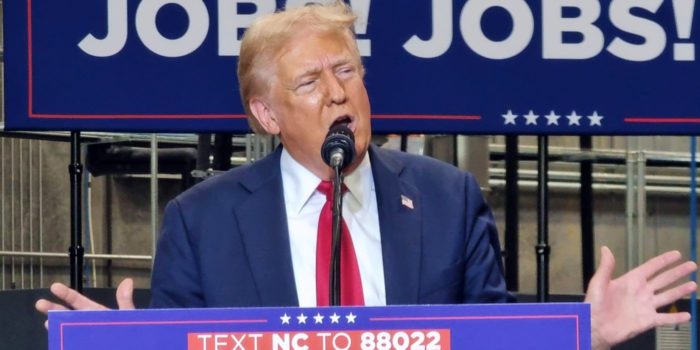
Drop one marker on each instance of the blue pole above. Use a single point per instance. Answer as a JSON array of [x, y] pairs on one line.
[[693, 242]]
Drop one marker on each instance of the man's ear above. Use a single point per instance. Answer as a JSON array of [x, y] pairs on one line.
[[264, 115]]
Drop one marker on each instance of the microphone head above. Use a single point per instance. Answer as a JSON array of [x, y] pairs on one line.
[[339, 138]]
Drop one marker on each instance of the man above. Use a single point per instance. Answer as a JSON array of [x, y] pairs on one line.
[[420, 229]]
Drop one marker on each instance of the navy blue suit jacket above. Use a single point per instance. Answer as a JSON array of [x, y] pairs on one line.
[[225, 243]]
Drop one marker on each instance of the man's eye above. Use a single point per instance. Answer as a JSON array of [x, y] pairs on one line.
[[306, 84], [347, 71]]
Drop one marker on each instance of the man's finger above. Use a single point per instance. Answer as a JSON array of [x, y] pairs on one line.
[[673, 294], [666, 278], [674, 318], [74, 299], [125, 294], [44, 306], [657, 263]]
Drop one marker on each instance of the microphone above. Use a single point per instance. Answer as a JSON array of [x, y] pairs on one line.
[[338, 149]]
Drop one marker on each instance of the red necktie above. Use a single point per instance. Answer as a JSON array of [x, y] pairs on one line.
[[350, 282]]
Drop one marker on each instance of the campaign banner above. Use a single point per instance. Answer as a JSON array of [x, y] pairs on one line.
[[497, 326], [433, 66]]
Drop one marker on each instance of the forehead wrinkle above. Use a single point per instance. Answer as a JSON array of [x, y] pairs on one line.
[[288, 73], [331, 60]]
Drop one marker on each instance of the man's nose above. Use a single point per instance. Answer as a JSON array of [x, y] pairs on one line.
[[335, 90]]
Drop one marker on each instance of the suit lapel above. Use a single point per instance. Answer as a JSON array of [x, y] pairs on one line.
[[400, 227], [263, 226]]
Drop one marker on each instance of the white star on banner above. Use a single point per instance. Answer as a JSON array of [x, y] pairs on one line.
[[509, 118], [574, 118], [531, 118], [318, 318], [595, 119], [301, 319], [552, 118], [334, 318], [285, 318], [350, 318]]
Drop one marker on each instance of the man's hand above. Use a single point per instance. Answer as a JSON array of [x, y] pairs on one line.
[[625, 307], [76, 301]]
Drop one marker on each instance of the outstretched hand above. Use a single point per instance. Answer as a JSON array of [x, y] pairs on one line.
[[626, 306], [76, 301]]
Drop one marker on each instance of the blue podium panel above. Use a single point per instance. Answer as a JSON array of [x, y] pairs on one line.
[[444, 327], [462, 66]]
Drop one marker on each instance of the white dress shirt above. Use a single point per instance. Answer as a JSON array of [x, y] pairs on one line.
[[303, 205]]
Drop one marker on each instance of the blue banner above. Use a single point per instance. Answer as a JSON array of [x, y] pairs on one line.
[[475, 66], [511, 326]]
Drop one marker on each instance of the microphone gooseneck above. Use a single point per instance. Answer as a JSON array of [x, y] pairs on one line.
[[338, 149]]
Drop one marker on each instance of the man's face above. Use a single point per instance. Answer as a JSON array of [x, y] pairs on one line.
[[317, 82]]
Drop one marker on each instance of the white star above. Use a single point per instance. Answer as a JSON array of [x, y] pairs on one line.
[[531, 118], [285, 318], [318, 318], [350, 318], [509, 118], [334, 318], [552, 118], [595, 119], [301, 319], [574, 118]]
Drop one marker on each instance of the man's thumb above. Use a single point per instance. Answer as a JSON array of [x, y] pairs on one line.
[[607, 264], [125, 294], [603, 274]]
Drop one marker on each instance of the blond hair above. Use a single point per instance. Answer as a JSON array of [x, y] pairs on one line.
[[267, 36]]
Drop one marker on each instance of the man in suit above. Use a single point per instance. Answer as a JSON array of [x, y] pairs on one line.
[[420, 229], [442, 249]]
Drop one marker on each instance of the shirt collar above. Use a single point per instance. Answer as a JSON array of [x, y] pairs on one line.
[[299, 184], [360, 183]]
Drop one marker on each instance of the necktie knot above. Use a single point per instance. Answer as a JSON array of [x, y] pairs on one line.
[[326, 187]]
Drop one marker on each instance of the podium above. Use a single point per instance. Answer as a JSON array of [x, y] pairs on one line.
[[552, 326]]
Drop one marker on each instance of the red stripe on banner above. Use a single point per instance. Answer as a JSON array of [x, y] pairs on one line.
[[662, 120], [138, 116], [430, 117]]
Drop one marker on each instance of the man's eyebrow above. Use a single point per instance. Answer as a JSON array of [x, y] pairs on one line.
[[336, 62], [308, 71], [315, 70], [298, 78], [341, 61]]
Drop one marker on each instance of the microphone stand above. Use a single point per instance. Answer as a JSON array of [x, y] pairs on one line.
[[334, 288], [337, 151]]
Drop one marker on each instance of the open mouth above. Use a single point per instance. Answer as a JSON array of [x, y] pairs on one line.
[[344, 120]]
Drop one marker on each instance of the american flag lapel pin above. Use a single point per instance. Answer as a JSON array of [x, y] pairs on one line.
[[406, 202]]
